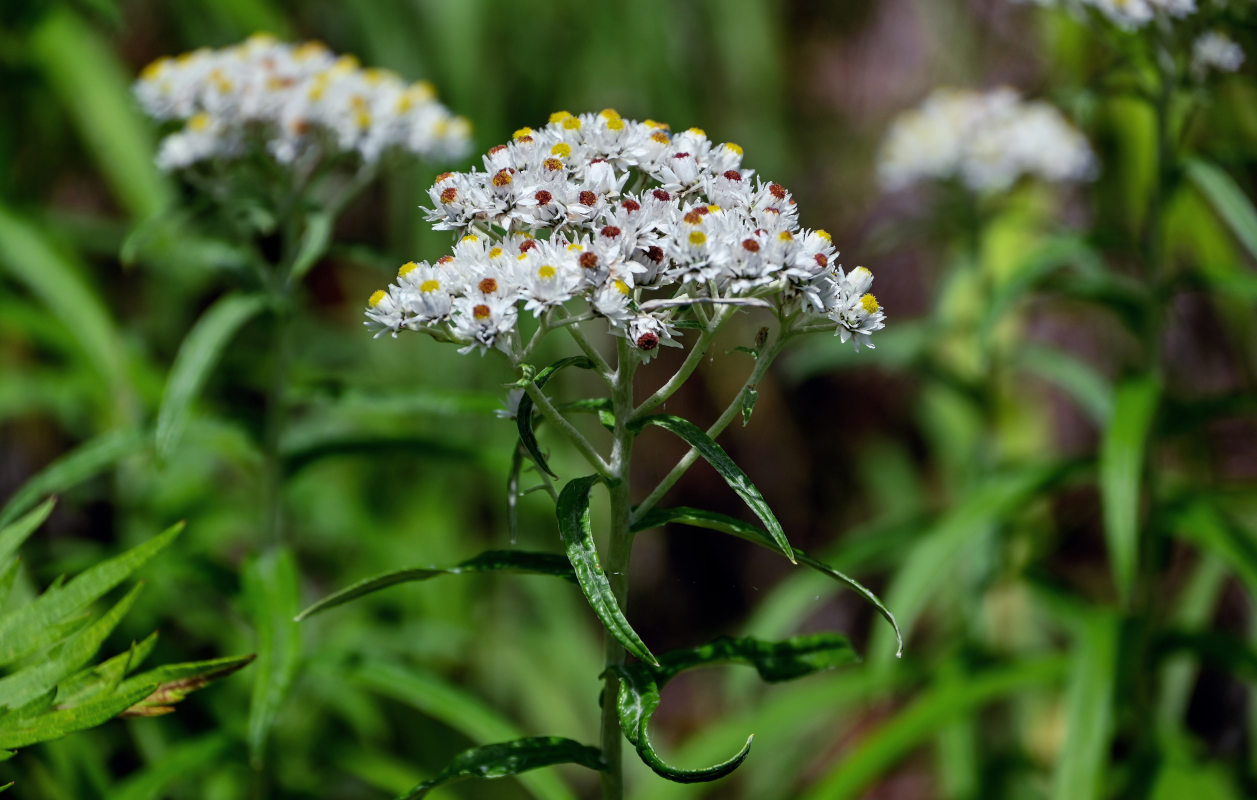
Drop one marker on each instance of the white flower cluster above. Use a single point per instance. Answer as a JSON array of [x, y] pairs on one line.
[[291, 98], [987, 140], [1128, 14], [553, 218], [1216, 51]]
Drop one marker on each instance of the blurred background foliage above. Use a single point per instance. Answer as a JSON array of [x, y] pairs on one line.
[[1035, 390]]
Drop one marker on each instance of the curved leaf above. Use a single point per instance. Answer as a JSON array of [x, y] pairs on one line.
[[640, 685], [735, 527], [1228, 199], [578, 541], [12, 536], [514, 561], [314, 242], [715, 455], [272, 594], [71, 469], [195, 360], [1121, 467], [523, 416], [511, 758]]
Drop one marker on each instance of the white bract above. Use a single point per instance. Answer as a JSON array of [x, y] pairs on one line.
[[289, 100], [986, 140], [1128, 14], [596, 216]]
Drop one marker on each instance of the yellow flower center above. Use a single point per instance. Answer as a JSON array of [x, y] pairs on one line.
[[406, 269], [377, 297], [697, 131], [869, 303], [521, 133], [734, 147], [559, 116], [698, 238], [430, 285], [545, 272], [622, 287]]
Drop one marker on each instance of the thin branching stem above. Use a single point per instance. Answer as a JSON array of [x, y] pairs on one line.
[[692, 360], [555, 418]]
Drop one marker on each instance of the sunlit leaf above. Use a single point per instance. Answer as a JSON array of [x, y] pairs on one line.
[[270, 586], [195, 361], [578, 541], [715, 455], [1121, 468], [511, 758], [751, 533], [513, 561], [1228, 199]]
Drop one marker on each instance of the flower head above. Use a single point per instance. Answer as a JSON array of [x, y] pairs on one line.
[[986, 140], [621, 221], [289, 100]]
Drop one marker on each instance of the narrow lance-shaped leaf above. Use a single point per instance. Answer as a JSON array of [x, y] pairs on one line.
[[1230, 201], [514, 561], [1088, 709], [640, 686], [314, 242], [523, 414], [85, 461], [511, 758], [715, 455], [1121, 467], [12, 536], [578, 541], [27, 629], [195, 360], [735, 527]]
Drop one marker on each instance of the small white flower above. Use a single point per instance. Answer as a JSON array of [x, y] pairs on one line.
[[1216, 51]]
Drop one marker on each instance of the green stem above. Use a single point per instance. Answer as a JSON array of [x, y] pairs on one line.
[[617, 564], [692, 360], [762, 363], [561, 422]]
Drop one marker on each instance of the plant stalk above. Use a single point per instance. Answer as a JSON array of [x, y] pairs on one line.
[[617, 564]]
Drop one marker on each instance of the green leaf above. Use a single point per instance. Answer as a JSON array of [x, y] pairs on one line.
[[1204, 525], [272, 594], [1121, 466], [85, 461], [523, 416], [513, 561], [511, 758], [715, 455], [1056, 254], [299, 455], [749, 398], [175, 766], [578, 541], [20, 687], [94, 91], [1088, 709], [57, 280], [640, 686], [711, 520], [314, 241], [195, 360], [1088, 388], [105, 676], [1228, 199], [12, 536], [176, 681], [880, 748], [32, 627]]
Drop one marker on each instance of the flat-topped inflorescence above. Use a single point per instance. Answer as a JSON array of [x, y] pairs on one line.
[[985, 140], [597, 216], [289, 99]]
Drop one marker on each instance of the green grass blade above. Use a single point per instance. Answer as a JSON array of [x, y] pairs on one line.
[[85, 461], [196, 359], [881, 749], [313, 246], [524, 414], [1227, 199], [455, 708], [1121, 467], [1089, 709], [1079, 380], [176, 766], [56, 279], [578, 541], [715, 455], [95, 92], [513, 561], [271, 590], [14, 534], [25, 630], [735, 527], [511, 758], [1204, 525]]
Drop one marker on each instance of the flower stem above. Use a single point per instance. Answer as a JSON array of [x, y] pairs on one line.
[[617, 564], [561, 422], [762, 363], [692, 360]]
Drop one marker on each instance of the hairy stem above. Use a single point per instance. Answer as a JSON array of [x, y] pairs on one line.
[[617, 564], [762, 363]]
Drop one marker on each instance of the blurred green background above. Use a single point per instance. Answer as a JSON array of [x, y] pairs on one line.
[[964, 469]]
